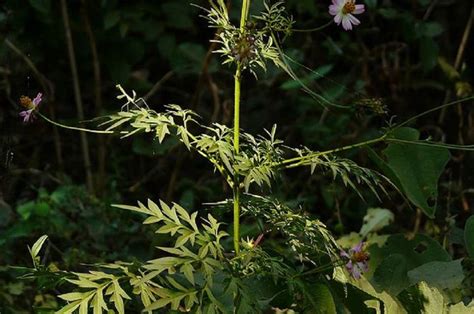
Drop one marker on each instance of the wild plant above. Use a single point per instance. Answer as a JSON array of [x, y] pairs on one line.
[[198, 273]]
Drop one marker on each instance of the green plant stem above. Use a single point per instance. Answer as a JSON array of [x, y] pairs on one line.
[[244, 14], [77, 128], [298, 161], [212, 160], [433, 144], [433, 110], [236, 184], [237, 83], [301, 160], [310, 30], [237, 80], [319, 269]]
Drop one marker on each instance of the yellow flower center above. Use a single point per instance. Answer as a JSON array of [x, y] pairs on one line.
[[26, 102], [360, 257], [349, 7]]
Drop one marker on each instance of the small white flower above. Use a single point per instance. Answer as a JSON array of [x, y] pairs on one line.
[[343, 11]]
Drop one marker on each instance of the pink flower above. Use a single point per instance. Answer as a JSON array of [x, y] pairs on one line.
[[31, 106], [343, 11], [27, 115], [37, 99], [357, 260]]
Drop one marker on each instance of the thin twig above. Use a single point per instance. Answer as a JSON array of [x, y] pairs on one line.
[[158, 85], [430, 9], [146, 177], [465, 38], [315, 29], [77, 94], [36, 172], [458, 60], [194, 104], [215, 98], [101, 149], [174, 176]]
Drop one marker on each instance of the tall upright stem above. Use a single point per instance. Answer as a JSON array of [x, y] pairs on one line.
[[236, 185], [237, 80]]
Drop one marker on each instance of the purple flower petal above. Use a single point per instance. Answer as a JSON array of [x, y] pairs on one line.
[[356, 260], [353, 19], [358, 247], [359, 8], [346, 23], [356, 272], [333, 9], [344, 254], [349, 266], [343, 11], [37, 99], [26, 115]]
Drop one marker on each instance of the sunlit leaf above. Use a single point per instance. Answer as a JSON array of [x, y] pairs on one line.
[[376, 219]]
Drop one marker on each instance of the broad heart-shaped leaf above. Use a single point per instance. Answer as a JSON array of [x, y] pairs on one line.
[[320, 298], [417, 251], [469, 236], [412, 253], [417, 168], [442, 275], [376, 219], [391, 275]]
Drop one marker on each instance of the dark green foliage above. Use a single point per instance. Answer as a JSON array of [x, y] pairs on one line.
[[400, 61], [469, 236], [417, 168]]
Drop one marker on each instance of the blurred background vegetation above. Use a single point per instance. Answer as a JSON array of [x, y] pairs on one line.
[[410, 55]]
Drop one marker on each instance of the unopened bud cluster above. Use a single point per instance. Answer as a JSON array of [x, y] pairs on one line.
[[244, 49]]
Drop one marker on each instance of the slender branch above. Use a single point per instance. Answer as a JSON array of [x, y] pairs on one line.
[[219, 167], [158, 85], [433, 110], [197, 92], [310, 30], [298, 161], [464, 40], [102, 147], [458, 60], [44, 82], [433, 144], [302, 160], [319, 269], [430, 9], [77, 93], [78, 128]]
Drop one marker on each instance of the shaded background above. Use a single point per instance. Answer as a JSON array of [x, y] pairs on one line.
[[410, 54]]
